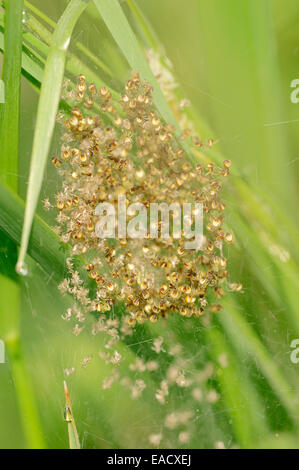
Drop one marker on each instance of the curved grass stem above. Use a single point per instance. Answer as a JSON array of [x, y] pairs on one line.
[[46, 115]]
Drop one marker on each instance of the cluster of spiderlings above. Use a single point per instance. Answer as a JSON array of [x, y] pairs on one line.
[[130, 151]]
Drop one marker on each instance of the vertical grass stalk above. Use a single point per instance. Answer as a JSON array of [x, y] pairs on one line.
[[46, 115], [9, 285]]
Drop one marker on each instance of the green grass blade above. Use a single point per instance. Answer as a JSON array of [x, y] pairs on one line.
[[265, 267], [246, 341], [144, 26], [9, 286], [30, 66], [44, 246], [9, 110], [41, 15], [2, 91], [38, 37], [124, 36], [46, 115], [69, 417], [242, 402], [24, 389]]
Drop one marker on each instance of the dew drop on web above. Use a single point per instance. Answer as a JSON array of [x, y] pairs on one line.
[[25, 17]]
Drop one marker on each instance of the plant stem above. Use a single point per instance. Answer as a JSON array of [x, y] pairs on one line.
[[144, 26], [46, 114], [9, 285], [9, 116], [9, 308]]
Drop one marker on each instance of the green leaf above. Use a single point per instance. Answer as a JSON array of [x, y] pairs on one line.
[[46, 115]]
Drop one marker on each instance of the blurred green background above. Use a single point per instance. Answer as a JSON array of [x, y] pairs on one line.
[[235, 60]]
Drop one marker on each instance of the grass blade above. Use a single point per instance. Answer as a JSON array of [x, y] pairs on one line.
[[9, 286], [2, 91], [242, 335], [124, 36], [97, 61], [44, 246], [74, 64], [242, 402], [144, 26], [9, 109], [69, 417], [46, 115], [30, 68]]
